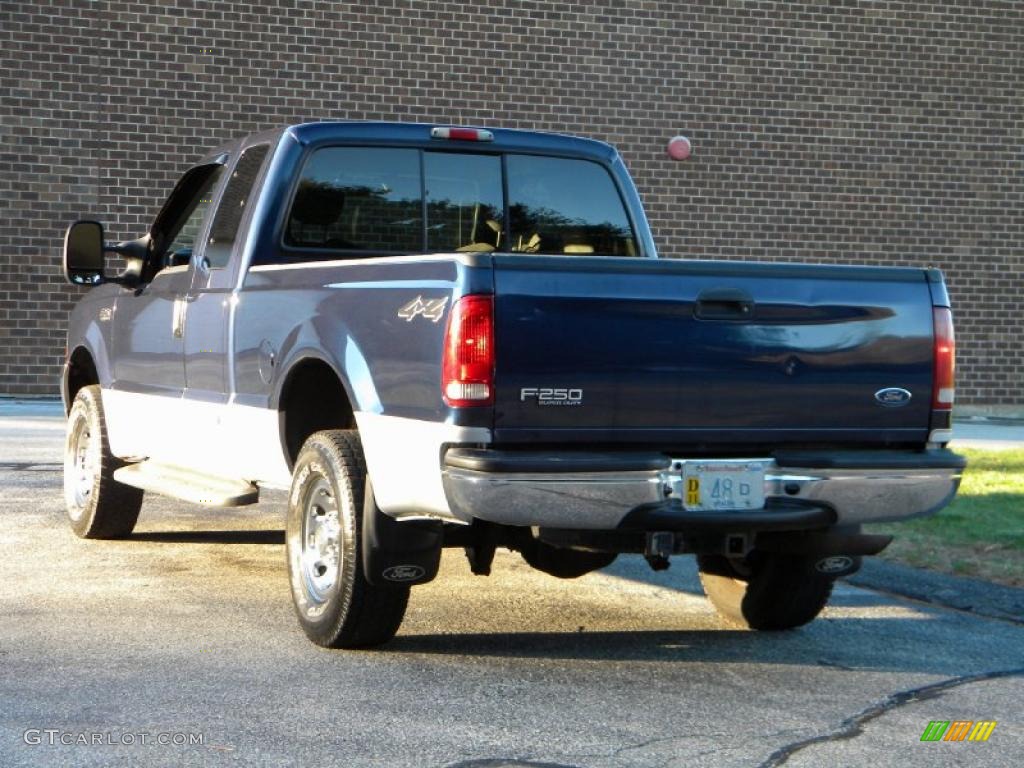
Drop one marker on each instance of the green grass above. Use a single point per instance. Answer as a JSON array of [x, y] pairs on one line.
[[981, 533]]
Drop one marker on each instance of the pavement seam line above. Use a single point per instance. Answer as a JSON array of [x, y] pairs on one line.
[[853, 726]]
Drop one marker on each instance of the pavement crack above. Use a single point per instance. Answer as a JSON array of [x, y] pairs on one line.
[[650, 742], [853, 727]]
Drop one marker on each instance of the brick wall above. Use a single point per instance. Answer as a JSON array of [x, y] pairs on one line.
[[862, 131]]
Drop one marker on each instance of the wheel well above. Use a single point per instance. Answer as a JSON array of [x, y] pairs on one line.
[[313, 398], [81, 373]]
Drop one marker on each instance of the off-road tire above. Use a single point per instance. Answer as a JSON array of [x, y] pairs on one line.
[[335, 604], [775, 592], [97, 506]]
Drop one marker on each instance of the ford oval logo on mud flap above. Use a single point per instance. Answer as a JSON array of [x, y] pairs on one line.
[[403, 573], [893, 397], [834, 564]]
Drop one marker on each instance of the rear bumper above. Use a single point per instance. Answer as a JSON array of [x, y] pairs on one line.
[[613, 491]]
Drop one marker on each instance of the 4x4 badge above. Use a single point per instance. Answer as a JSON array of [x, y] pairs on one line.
[[432, 309]]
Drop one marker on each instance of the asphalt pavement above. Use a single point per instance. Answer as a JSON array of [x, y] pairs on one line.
[[990, 434], [185, 632]]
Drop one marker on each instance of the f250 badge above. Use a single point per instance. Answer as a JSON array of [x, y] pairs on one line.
[[432, 309], [551, 395]]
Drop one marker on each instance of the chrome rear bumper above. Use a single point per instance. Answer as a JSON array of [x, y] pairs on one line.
[[572, 498]]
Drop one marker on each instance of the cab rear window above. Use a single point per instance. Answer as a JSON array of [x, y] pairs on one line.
[[366, 200], [358, 198]]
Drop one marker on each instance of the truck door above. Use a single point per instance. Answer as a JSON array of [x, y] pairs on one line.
[[213, 279], [149, 323], [207, 311]]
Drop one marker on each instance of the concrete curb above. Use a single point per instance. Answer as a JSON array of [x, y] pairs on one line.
[[983, 598]]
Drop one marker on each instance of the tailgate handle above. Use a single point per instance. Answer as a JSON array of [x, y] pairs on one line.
[[724, 304]]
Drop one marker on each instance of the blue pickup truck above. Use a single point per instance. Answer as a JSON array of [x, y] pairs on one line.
[[437, 336]]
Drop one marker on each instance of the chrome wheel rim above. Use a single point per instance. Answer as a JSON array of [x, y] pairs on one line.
[[79, 466], [321, 555]]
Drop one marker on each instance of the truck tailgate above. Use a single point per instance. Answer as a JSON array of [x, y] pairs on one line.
[[667, 352]]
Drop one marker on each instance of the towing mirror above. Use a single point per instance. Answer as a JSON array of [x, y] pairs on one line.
[[83, 253]]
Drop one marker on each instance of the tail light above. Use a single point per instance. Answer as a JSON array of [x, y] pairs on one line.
[[943, 387], [467, 371]]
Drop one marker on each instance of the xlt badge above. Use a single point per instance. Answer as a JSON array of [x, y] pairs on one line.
[[551, 395]]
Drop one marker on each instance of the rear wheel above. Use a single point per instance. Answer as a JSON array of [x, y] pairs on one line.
[[335, 604], [98, 507], [769, 592]]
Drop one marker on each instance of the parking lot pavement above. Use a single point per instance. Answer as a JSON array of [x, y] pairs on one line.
[[186, 628], [990, 435]]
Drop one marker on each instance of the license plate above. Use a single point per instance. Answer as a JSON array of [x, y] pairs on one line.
[[723, 485]]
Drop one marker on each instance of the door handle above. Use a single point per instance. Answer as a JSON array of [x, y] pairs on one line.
[[724, 304], [178, 318]]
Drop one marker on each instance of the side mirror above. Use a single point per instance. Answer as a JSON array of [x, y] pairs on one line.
[[180, 258], [83, 253]]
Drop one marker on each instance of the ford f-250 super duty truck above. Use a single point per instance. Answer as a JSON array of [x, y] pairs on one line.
[[439, 336]]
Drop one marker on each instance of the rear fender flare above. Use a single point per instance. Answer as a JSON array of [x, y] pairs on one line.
[[349, 366]]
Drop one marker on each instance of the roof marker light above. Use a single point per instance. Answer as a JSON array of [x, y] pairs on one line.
[[461, 134]]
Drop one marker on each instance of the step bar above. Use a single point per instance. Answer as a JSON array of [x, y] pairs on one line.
[[188, 485]]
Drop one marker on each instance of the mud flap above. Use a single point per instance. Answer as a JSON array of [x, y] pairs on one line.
[[398, 552]]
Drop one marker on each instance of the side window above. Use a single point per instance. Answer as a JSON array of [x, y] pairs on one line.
[[564, 206], [465, 209], [358, 198], [225, 225], [181, 219]]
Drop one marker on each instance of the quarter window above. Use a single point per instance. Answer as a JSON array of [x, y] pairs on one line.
[[224, 229]]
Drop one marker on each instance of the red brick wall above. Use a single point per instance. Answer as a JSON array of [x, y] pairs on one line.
[[861, 131]]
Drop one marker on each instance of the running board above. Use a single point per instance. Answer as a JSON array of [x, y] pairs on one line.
[[188, 485]]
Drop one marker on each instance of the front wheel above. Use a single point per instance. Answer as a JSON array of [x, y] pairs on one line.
[[335, 604], [769, 592], [98, 507]]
